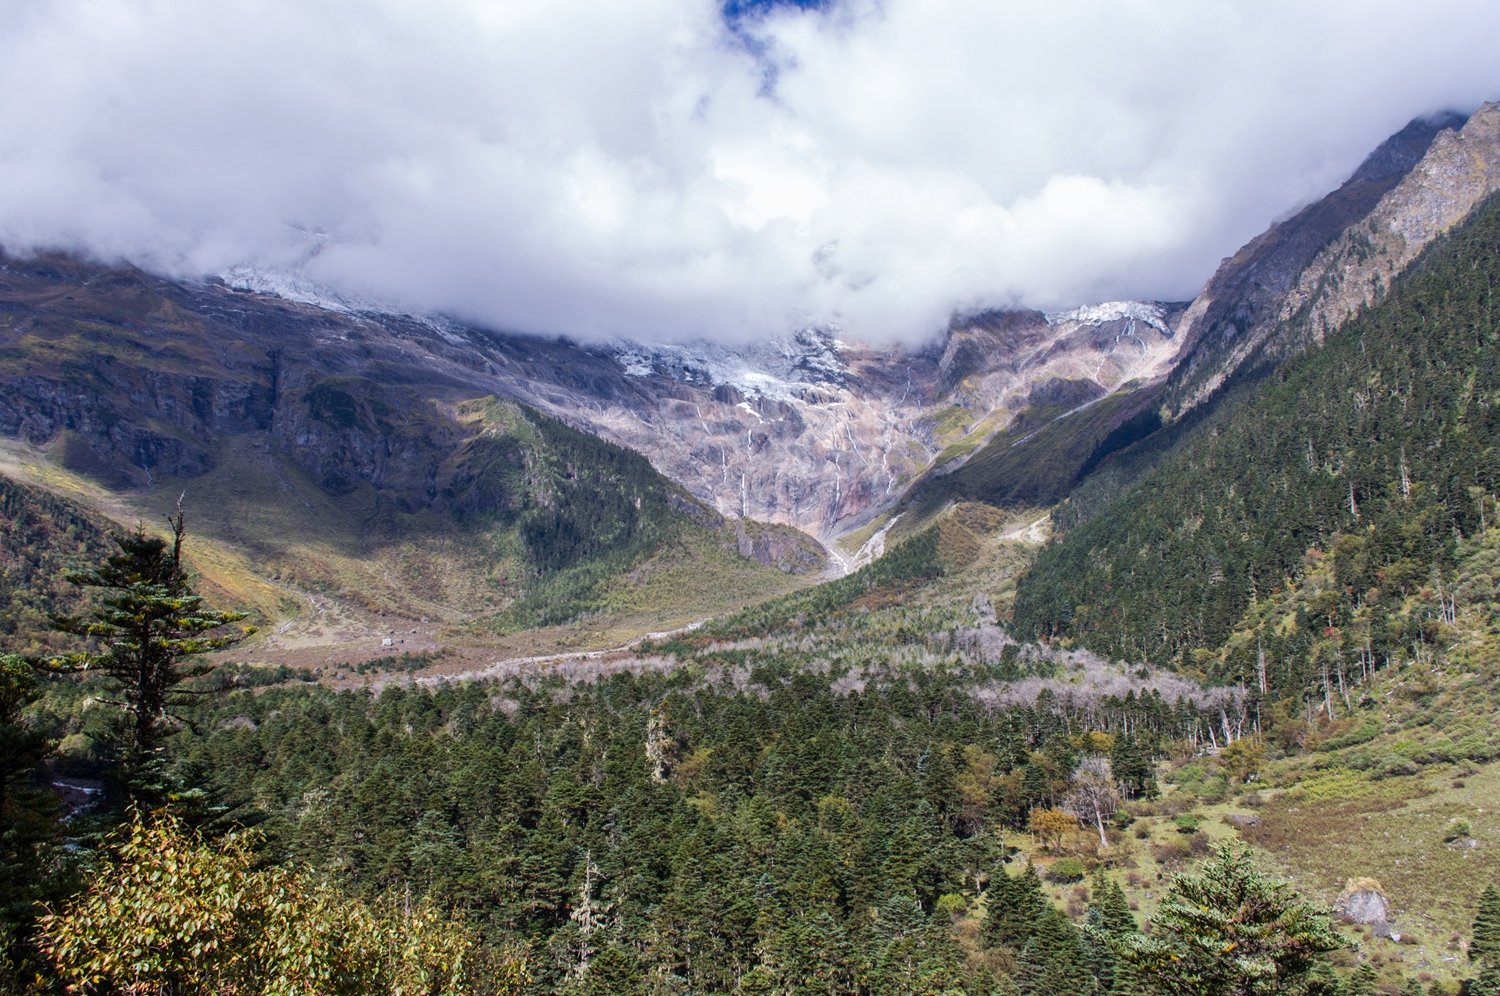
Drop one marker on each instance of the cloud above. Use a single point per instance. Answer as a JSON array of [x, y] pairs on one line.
[[652, 170]]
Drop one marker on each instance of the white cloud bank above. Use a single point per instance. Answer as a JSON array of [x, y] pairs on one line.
[[598, 168]]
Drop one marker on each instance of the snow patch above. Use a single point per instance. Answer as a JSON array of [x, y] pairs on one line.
[[1112, 311], [292, 286], [778, 370]]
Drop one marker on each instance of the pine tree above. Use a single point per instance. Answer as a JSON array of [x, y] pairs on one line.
[[1484, 944], [1131, 767], [1054, 962], [1114, 908], [30, 824], [1362, 982], [1109, 922], [23, 744], [1098, 955], [151, 624], [1322, 980], [1230, 930], [1488, 982], [1013, 905]]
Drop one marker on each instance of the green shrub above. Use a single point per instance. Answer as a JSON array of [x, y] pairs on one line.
[[1065, 870], [1457, 830]]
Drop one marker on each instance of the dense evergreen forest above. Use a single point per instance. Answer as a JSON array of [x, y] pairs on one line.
[[40, 536], [1375, 451], [745, 822]]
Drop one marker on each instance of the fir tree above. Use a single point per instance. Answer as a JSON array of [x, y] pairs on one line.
[[1098, 955], [1131, 767], [1108, 923], [1013, 906], [1321, 980], [1362, 982], [1230, 931], [1053, 962], [1484, 944], [1488, 982], [1114, 908], [151, 624], [30, 828]]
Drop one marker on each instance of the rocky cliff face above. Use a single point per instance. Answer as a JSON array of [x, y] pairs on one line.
[[1246, 300], [819, 433], [1460, 169], [133, 378]]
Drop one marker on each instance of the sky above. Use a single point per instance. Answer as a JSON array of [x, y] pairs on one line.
[[676, 169]]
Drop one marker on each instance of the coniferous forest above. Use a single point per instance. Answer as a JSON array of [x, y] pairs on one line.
[[1376, 450]]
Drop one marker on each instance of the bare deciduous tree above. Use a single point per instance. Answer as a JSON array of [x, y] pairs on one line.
[[1094, 795]]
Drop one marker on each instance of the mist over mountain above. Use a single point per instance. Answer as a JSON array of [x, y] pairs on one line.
[[677, 170]]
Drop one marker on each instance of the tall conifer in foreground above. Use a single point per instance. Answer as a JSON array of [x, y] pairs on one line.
[[1230, 931], [149, 625]]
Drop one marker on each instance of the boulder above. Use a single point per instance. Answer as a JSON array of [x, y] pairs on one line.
[[1242, 820], [1363, 901]]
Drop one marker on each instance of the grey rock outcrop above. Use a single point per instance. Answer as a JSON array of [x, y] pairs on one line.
[[1363, 901]]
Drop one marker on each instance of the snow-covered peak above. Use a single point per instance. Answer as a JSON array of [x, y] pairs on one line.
[[781, 369], [290, 285], [1113, 311]]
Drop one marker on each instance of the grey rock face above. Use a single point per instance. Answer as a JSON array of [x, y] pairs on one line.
[[1247, 299], [1363, 901]]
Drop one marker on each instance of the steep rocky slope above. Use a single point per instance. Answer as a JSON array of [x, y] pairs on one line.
[[821, 433], [1460, 169], [1313, 269], [1310, 272], [130, 377]]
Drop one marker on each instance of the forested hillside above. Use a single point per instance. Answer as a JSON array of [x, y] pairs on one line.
[[829, 800], [1375, 452], [41, 537]]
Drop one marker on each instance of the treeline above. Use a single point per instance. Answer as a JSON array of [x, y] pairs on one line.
[[1377, 449]]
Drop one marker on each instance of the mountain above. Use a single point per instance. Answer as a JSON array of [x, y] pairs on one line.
[[1248, 298], [340, 470], [813, 432], [1376, 450], [1281, 606], [332, 444], [1252, 322]]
